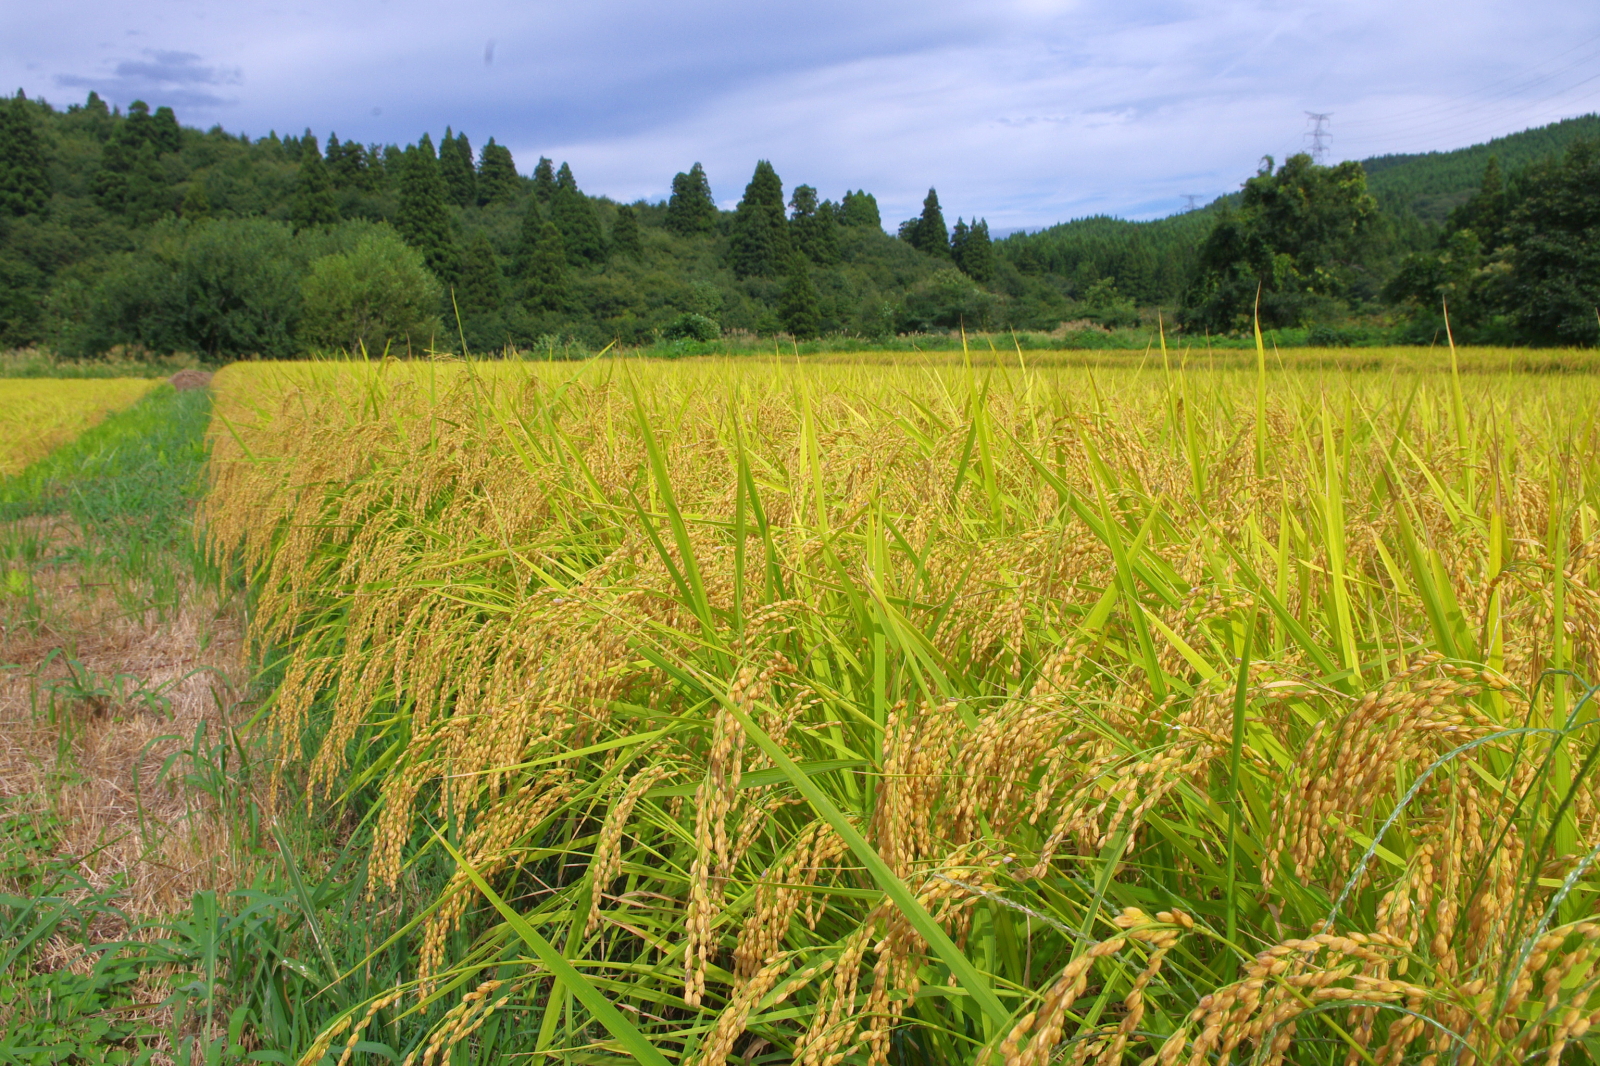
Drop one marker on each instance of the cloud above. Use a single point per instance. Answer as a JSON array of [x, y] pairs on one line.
[[1022, 111], [164, 77]]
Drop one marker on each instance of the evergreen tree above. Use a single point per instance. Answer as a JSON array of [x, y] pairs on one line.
[[528, 235], [625, 232], [760, 242], [480, 288], [928, 234], [799, 308], [1484, 214], [455, 166], [497, 174], [575, 216], [24, 178], [545, 282], [544, 180], [1554, 232], [164, 131], [313, 203], [422, 218], [131, 181], [691, 208], [972, 250], [350, 166], [815, 226], [860, 209]]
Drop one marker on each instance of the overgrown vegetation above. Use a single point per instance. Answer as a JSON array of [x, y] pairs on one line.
[[912, 715]]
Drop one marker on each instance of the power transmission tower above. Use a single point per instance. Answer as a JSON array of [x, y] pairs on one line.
[[1191, 200], [1318, 135]]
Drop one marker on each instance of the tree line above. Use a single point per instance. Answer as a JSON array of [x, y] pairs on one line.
[[128, 230]]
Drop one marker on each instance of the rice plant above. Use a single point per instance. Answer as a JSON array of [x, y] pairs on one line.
[[906, 714], [37, 415]]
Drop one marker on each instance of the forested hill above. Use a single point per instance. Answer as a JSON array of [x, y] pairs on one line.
[[1152, 262], [128, 230], [1432, 184]]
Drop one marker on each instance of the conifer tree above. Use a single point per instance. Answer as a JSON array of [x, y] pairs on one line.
[[544, 180], [575, 216], [799, 308], [528, 235], [480, 288], [625, 232], [422, 219], [497, 174], [760, 242], [455, 166], [131, 182], [929, 233], [313, 203], [545, 283], [815, 226], [691, 208], [24, 178], [164, 131], [972, 250], [860, 209], [196, 204]]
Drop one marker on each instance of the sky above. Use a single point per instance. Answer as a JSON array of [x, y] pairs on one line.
[[1023, 112]]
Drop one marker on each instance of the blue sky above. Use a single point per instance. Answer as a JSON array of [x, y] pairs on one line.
[[1026, 112]]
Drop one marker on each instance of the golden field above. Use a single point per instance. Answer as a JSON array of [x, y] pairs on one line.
[[38, 414], [773, 711]]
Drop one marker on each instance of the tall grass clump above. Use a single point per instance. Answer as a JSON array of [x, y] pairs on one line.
[[925, 715]]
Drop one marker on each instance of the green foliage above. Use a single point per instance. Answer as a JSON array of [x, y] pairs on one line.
[[815, 226], [859, 209], [377, 296], [482, 286], [760, 241], [692, 326], [574, 215], [798, 308], [422, 219], [948, 299], [545, 273], [544, 181], [690, 209], [625, 232], [130, 181], [455, 166], [498, 180], [927, 233], [314, 204], [224, 287], [24, 175], [1554, 285], [1295, 240], [972, 250]]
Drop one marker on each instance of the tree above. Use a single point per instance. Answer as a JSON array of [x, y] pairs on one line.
[[815, 226], [131, 182], [196, 204], [625, 232], [545, 278], [691, 208], [376, 296], [1554, 231], [799, 307], [760, 243], [480, 287], [422, 219], [165, 133], [1295, 239], [497, 174], [860, 209], [972, 250], [313, 203], [455, 166], [928, 233], [575, 216], [544, 180], [24, 177]]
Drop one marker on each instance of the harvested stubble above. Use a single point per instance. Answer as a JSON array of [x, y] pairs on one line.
[[1205, 714], [38, 414]]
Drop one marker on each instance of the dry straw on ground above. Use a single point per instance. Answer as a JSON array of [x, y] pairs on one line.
[[998, 617]]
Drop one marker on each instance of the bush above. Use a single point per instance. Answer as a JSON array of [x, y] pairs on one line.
[[691, 326], [376, 296]]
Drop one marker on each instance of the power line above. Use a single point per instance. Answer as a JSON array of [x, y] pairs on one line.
[[1319, 135], [1191, 200]]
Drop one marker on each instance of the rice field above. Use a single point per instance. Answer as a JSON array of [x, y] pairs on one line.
[[764, 712], [37, 415]]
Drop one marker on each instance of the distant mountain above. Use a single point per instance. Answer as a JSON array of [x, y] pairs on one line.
[[1431, 184]]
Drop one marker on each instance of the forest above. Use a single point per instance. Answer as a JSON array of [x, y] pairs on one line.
[[126, 231]]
